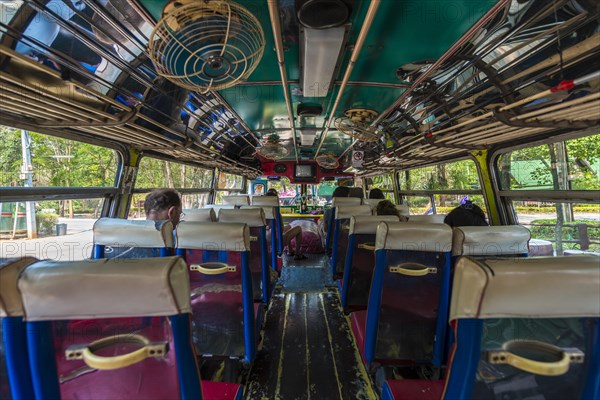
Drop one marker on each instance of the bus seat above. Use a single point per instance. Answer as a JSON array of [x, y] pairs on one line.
[[403, 208], [236, 200], [372, 202], [217, 207], [259, 253], [490, 241], [360, 260], [346, 201], [123, 238], [98, 330], [406, 316], [544, 307], [271, 218], [340, 234], [199, 214], [272, 201], [427, 219], [337, 201], [15, 376], [223, 311]]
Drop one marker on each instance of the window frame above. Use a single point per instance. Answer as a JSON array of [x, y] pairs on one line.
[[45, 193], [505, 198], [181, 191], [431, 193]]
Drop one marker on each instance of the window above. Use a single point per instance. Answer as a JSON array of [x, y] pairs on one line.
[[53, 161], [567, 226], [440, 188], [384, 182], [545, 187], [78, 177], [570, 165], [228, 184], [192, 182], [459, 175]]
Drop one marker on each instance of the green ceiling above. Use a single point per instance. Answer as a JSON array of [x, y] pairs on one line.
[[403, 31]]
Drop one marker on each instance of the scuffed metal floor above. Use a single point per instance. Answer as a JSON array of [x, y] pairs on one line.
[[308, 351]]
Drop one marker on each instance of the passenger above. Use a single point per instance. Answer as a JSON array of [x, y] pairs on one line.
[[386, 207], [340, 191], [467, 214], [290, 233], [376, 194], [163, 204], [356, 192]]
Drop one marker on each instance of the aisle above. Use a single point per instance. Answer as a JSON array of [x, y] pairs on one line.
[[308, 351]]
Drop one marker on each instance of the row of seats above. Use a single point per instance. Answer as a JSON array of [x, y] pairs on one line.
[[226, 320], [478, 241], [524, 328], [408, 287], [344, 207], [118, 329]]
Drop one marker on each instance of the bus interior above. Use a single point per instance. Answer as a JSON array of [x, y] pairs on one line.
[[304, 293]]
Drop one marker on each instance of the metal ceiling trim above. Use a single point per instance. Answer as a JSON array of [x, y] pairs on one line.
[[276, 26]]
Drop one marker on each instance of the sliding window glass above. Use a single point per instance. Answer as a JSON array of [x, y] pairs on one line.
[[193, 183], [553, 190], [440, 188], [52, 191]]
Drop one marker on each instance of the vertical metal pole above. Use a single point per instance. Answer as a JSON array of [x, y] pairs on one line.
[[303, 195], [27, 175]]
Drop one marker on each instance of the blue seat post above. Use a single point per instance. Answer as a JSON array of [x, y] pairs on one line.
[[266, 276], [374, 305], [335, 253], [41, 357], [466, 359], [331, 228], [347, 269], [279, 222], [17, 358], [274, 240]]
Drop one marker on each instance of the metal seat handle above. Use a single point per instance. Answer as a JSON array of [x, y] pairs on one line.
[[546, 368], [415, 270], [92, 360], [367, 246], [213, 268]]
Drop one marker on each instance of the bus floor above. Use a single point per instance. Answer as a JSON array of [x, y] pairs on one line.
[[307, 349]]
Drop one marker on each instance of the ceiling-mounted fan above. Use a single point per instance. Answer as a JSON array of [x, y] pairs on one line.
[[272, 149], [356, 125], [327, 161], [206, 45]]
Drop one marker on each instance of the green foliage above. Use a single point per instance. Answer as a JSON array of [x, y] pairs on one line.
[[531, 167], [451, 176], [10, 155], [569, 231], [56, 161], [154, 173], [45, 221]]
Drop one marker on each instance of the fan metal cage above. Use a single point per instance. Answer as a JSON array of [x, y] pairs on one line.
[[206, 45], [273, 151], [358, 130], [328, 161]]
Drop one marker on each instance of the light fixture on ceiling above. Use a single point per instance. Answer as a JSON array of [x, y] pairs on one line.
[[320, 52]]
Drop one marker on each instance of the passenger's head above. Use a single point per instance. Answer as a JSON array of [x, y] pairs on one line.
[[272, 192], [341, 191], [467, 214], [356, 192], [386, 207], [163, 204], [376, 194]]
